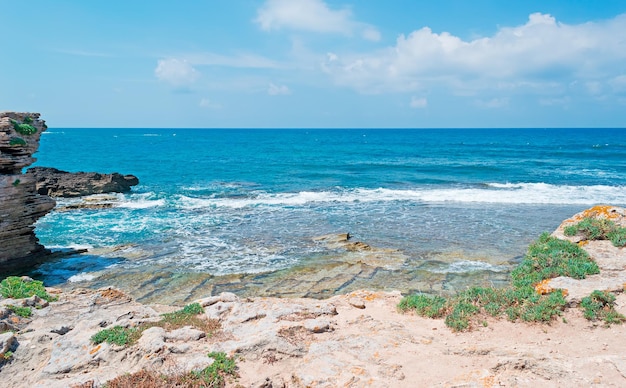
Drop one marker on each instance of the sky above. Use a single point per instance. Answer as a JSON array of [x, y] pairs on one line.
[[315, 63]]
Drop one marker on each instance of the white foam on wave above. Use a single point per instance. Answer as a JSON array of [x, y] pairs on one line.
[[140, 201], [508, 193], [472, 266], [71, 246], [81, 277]]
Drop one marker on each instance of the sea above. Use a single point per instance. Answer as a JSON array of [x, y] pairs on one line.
[[239, 210]]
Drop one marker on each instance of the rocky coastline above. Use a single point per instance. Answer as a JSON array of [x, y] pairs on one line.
[[26, 197], [354, 340], [20, 203]]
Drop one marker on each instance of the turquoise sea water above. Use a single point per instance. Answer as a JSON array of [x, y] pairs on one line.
[[229, 201]]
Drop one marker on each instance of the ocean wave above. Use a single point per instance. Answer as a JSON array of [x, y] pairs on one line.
[[507, 193], [81, 277]]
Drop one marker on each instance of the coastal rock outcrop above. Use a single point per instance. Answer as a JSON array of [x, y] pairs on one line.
[[57, 183], [610, 259], [20, 203]]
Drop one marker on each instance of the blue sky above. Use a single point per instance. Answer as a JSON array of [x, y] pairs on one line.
[[315, 63]]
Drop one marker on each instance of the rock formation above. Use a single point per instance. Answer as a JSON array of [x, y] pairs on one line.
[[20, 203], [57, 183]]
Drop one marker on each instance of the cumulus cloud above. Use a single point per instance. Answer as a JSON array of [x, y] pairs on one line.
[[312, 15], [276, 90], [176, 72], [542, 53], [418, 102]]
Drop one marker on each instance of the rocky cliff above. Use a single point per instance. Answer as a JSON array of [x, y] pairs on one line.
[[20, 204], [57, 183]]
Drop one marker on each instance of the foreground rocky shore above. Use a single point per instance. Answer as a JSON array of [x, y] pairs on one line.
[[354, 340]]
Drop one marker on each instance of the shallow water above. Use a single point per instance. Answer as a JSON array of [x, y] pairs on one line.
[[237, 210]]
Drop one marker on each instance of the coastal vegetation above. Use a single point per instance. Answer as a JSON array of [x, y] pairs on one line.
[[17, 142], [187, 316], [527, 298], [213, 376], [598, 229], [15, 287], [20, 311], [24, 128], [600, 305]]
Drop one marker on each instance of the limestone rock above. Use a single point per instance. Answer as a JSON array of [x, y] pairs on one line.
[[152, 340], [8, 342], [610, 259], [57, 183], [20, 203], [185, 334]]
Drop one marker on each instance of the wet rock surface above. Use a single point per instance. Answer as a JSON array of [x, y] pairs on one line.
[[57, 183]]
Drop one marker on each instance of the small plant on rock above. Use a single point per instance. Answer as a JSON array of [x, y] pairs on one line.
[[117, 335], [6, 356], [17, 142], [23, 312], [598, 229], [24, 128], [600, 305], [424, 305], [18, 288], [214, 375]]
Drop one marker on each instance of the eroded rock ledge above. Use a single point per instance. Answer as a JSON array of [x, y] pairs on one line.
[[57, 183], [20, 203]]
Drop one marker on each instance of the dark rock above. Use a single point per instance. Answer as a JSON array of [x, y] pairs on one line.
[[57, 183], [20, 203]]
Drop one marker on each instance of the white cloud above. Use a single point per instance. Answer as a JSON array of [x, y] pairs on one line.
[[540, 53], [208, 104], [418, 102], [276, 90], [312, 15], [176, 72]]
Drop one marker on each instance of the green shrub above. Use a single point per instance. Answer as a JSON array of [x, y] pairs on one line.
[[600, 305], [16, 288], [548, 257], [598, 229], [214, 375], [618, 237], [17, 142], [24, 128], [117, 335], [187, 316], [6, 356], [16, 182], [28, 120], [424, 305], [23, 312]]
